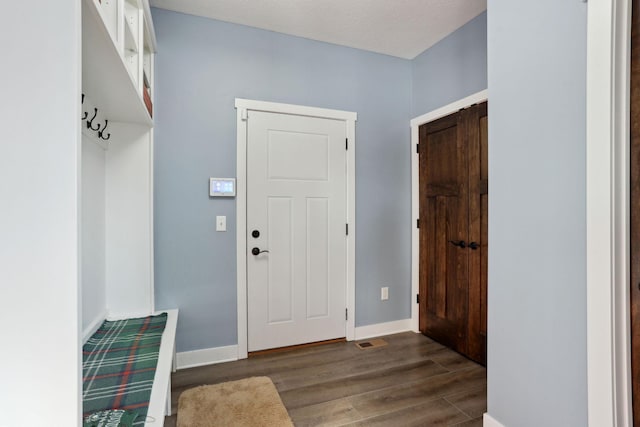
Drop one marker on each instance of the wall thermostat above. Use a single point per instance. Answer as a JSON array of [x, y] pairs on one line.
[[222, 187]]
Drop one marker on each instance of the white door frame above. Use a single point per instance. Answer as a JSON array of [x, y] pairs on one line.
[[242, 107], [608, 322], [415, 191]]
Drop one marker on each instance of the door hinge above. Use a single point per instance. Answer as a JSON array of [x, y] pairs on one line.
[[346, 229], [346, 314], [418, 223], [417, 298], [346, 143], [418, 148]]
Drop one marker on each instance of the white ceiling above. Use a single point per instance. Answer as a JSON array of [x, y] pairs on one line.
[[402, 28]]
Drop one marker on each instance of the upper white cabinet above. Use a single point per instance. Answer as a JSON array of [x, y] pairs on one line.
[[117, 58]]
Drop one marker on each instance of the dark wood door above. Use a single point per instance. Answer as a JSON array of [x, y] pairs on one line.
[[453, 230], [444, 205], [635, 209], [478, 231]]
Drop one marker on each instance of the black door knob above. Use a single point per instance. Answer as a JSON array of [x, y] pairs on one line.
[[257, 251], [255, 234], [474, 245]]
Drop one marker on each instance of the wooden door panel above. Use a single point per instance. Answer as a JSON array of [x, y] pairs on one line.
[[484, 223], [478, 222], [444, 205], [484, 268], [443, 265]]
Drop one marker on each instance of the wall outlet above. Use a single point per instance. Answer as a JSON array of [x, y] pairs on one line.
[[384, 293]]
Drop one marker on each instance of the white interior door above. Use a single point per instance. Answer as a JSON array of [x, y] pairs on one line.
[[296, 201]]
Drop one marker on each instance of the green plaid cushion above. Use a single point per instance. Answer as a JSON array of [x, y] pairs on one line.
[[119, 363]]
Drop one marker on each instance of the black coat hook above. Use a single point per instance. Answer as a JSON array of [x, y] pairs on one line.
[[85, 113], [101, 132], [90, 122]]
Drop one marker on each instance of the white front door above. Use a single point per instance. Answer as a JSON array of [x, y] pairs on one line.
[[296, 217]]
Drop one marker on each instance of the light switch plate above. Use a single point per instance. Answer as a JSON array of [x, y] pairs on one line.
[[384, 293], [221, 223]]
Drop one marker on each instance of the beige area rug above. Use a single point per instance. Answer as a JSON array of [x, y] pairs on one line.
[[248, 402]]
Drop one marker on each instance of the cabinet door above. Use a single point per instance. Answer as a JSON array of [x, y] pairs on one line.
[[444, 205]]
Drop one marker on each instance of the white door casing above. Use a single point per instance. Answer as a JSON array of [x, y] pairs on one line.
[[298, 153], [608, 259]]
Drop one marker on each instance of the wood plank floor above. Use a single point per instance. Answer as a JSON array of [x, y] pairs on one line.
[[412, 381]]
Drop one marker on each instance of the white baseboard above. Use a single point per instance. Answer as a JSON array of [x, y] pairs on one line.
[[379, 329], [93, 326], [207, 356], [489, 421], [210, 356]]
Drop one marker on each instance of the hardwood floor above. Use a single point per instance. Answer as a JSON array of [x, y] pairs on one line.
[[413, 381]]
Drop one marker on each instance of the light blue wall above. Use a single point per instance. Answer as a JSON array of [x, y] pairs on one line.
[[202, 66], [537, 266], [452, 69]]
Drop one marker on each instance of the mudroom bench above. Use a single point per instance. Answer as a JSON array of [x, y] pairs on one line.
[[127, 364]]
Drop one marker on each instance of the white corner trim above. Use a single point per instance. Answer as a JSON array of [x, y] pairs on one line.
[[297, 110], [353, 230], [380, 329], [207, 356], [489, 421], [415, 188], [241, 230], [242, 106], [475, 98], [608, 324], [93, 326], [415, 232]]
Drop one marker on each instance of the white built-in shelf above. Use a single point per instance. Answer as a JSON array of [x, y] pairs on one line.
[[130, 40], [105, 76]]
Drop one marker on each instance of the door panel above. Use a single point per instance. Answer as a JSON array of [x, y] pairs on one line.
[[318, 251], [310, 151], [478, 224], [454, 209], [444, 205], [280, 283], [296, 198]]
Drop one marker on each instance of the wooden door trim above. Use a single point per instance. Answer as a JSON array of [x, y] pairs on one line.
[[415, 187], [608, 326], [242, 107]]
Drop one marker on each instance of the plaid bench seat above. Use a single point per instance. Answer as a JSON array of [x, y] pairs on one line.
[[119, 365]]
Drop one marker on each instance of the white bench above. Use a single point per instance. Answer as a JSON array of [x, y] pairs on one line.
[[160, 400]]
